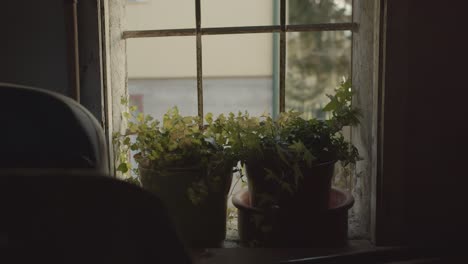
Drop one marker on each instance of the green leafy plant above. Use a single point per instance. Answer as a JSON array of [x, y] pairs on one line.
[[291, 142], [176, 142], [323, 140]]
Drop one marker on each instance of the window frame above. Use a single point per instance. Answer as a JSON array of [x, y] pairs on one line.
[[367, 26], [200, 31]]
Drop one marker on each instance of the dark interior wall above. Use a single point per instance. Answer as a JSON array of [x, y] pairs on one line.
[[437, 123], [89, 34], [394, 78], [423, 184], [33, 46], [424, 174]]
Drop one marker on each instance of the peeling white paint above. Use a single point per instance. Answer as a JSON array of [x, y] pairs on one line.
[[116, 64], [364, 136]]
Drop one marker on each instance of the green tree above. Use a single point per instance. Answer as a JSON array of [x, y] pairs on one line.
[[316, 61]]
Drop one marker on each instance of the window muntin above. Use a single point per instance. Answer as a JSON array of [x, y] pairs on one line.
[[283, 28]]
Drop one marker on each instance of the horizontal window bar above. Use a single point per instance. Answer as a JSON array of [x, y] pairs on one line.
[[238, 30], [159, 33], [322, 27]]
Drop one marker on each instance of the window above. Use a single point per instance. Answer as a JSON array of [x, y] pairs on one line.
[[221, 56], [261, 56]]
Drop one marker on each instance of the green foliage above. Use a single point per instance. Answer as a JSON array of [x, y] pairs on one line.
[[133, 180], [316, 60], [176, 142], [291, 142]]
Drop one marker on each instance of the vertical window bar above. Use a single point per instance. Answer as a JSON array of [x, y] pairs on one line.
[[199, 59], [282, 74], [275, 88]]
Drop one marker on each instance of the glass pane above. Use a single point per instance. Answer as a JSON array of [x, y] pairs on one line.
[[229, 13], [159, 14], [237, 73], [319, 11], [162, 74], [316, 63]]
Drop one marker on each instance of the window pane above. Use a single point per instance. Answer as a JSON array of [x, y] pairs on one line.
[[237, 73], [162, 74], [319, 11], [233, 94], [316, 63], [229, 13], [160, 14], [156, 96]]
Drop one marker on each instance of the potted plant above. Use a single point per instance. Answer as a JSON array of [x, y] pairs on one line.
[[184, 165], [290, 163]]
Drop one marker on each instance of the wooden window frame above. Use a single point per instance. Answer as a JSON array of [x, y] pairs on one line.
[[367, 47], [282, 29]]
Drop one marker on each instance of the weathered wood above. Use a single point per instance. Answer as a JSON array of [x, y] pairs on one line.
[[282, 57], [159, 33], [239, 30], [199, 59], [90, 52], [322, 27], [115, 71], [365, 82], [72, 47], [105, 81]]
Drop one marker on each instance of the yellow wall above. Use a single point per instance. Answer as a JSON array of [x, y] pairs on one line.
[[223, 55]]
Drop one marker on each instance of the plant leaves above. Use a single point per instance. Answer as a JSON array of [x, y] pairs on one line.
[[123, 167]]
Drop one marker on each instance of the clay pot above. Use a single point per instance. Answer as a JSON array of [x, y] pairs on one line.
[[198, 225], [280, 227], [313, 190]]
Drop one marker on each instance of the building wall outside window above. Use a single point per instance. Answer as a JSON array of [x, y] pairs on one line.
[[237, 69]]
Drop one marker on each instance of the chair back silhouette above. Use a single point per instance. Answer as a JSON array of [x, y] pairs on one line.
[[77, 217], [42, 129]]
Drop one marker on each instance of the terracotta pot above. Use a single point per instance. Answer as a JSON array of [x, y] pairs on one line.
[[312, 190], [277, 227], [201, 225]]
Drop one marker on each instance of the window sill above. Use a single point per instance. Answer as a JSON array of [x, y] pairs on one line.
[[232, 253]]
